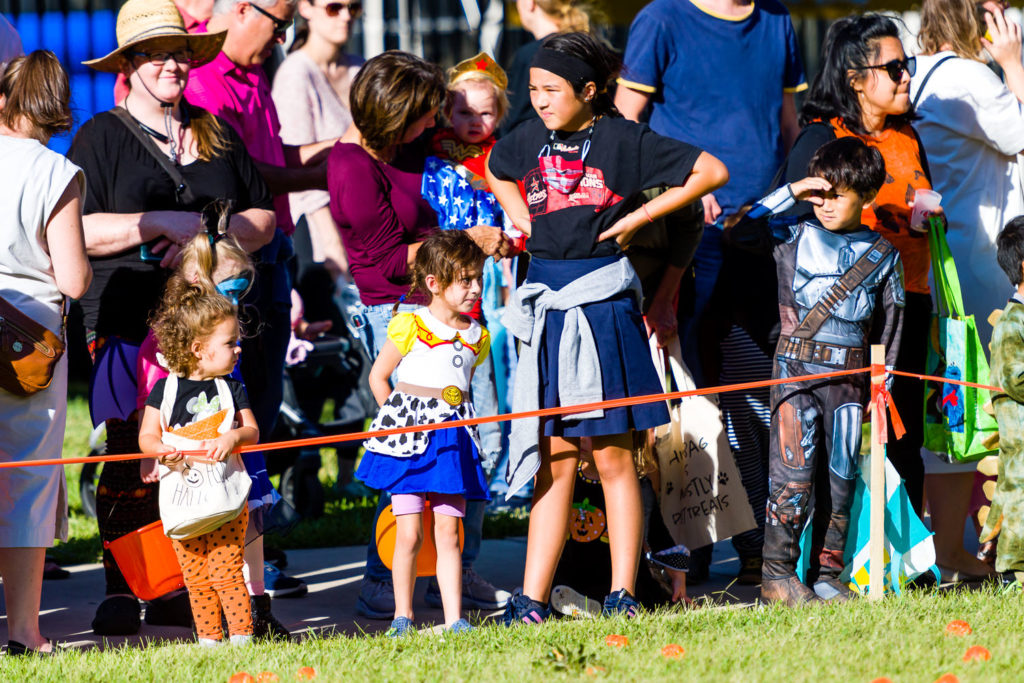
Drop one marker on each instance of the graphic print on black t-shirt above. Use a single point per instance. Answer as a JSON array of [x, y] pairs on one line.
[[197, 399], [624, 158], [592, 191]]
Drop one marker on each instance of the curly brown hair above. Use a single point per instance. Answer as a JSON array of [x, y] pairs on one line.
[[188, 312], [446, 255]]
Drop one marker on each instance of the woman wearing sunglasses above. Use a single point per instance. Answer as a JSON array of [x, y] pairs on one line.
[[862, 90], [137, 218], [973, 127]]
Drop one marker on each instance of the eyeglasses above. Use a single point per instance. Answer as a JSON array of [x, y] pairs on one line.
[[333, 9], [280, 25], [183, 56], [896, 67]]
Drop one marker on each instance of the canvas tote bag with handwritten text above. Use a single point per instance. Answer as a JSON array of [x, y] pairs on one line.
[[702, 497]]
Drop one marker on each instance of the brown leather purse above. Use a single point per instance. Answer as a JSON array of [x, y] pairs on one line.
[[28, 352]]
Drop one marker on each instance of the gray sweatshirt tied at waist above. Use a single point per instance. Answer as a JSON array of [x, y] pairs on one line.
[[579, 367]]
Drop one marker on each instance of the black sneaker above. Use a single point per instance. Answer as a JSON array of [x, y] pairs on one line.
[[265, 625], [53, 571], [118, 615], [621, 603], [275, 556], [280, 585], [173, 611], [522, 610]]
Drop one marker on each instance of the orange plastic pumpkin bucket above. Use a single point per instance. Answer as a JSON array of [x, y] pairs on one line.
[[426, 560], [147, 560]]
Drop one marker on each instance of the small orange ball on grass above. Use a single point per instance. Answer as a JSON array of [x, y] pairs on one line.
[[947, 678], [267, 677], [977, 653], [241, 677], [615, 640], [306, 673], [958, 627], [673, 651]]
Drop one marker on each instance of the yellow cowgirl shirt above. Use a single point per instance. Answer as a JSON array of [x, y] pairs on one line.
[[434, 356]]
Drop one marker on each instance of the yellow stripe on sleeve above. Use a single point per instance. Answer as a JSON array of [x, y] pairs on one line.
[[640, 87]]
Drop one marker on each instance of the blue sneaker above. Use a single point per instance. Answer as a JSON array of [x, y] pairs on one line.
[[402, 627], [523, 610], [620, 604], [279, 585], [376, 598], [460, 626]]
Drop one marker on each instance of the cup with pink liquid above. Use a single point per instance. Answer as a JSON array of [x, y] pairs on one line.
[[926, 202]]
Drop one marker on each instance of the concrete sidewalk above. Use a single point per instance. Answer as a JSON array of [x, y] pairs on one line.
[[333, 576]]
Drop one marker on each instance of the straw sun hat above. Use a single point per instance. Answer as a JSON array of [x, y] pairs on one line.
[[140, 21]]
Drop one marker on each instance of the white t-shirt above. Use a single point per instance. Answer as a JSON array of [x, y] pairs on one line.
[[32, 181], [972, 127]]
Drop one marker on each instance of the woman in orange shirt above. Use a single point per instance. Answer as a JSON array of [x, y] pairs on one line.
[[863, 91]]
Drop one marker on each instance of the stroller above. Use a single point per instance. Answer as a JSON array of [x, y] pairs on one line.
[[337, 369]]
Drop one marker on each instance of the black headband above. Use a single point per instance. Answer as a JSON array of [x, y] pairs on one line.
[[572, 69]]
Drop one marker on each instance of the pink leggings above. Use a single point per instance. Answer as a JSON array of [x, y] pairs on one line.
[[448, 504]]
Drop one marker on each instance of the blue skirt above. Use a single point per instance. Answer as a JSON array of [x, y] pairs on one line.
[[450, 464], [622, 346]]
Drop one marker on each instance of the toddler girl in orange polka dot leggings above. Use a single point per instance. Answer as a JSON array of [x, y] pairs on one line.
[[197, 334]]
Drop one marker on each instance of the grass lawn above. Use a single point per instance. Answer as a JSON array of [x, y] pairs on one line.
[[901, 638], [345, 521]]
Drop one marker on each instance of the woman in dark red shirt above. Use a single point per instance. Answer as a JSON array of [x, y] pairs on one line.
[[374, 178]]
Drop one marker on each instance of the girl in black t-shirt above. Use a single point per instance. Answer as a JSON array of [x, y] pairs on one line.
[[581, 168]]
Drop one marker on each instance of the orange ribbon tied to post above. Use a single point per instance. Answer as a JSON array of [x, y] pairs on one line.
[[881, 400]]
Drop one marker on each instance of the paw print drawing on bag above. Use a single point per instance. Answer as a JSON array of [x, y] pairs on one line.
[[723, 478]]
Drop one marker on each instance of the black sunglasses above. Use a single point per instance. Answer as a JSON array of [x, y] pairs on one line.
[[333, 9], [280, 25], [896, 67]]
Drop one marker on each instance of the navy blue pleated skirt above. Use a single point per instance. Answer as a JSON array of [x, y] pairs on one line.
[[626, 366]]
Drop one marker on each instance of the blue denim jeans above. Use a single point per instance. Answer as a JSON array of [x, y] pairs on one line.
[[707, 263], [374, 335], [485, 403]]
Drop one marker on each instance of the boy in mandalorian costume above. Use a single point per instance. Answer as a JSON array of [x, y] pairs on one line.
[[840, 290]]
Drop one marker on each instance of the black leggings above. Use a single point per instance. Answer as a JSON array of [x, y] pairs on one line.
[[908, 397]]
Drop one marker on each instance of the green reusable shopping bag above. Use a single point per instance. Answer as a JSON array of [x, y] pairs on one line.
[[955, 426]]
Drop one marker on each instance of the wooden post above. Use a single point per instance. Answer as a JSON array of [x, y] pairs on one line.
[[876, 544]]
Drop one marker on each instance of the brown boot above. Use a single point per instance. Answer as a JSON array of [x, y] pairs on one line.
[[831, 589], [787, 590]]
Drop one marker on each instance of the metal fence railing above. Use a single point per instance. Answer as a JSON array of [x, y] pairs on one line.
[[443, 31]]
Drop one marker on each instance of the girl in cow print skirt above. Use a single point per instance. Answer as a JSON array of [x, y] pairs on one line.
[[435, 350]]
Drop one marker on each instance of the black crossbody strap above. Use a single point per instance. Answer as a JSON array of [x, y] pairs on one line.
[[872, 259], [924, 81], [181, 188]]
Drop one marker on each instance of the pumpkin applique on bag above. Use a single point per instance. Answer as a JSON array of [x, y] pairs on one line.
[[587, 523]]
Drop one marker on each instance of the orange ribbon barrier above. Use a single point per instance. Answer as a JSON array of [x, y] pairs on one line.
[[543, 412], [880, 397], [945, 380]]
